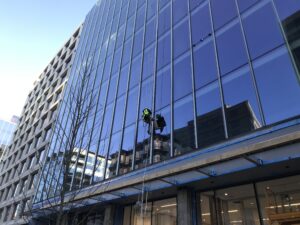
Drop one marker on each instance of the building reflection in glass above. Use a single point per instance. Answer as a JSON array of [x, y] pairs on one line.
[[292, 31], [241, 119], [81, 159]]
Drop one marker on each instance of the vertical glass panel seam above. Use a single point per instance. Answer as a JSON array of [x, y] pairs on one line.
[[250, 64], [218, 70], [193, 74], [140, 86], [285, 39], [172, 84]]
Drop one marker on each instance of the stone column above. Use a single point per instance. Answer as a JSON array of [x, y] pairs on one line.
[[109, 215], [184, 207]]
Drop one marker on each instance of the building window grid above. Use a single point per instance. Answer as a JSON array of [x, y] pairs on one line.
[[86, 157], [102, 37], [131, 39], [127, 94], [91, 32], [95, 161], [111, 68], [250, 64], [218, 72], [116, 94], [63, 111]]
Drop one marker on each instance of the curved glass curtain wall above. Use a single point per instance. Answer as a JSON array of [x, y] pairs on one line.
[[214, 70]]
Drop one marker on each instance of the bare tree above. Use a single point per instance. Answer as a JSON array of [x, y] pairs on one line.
[[73, 133]]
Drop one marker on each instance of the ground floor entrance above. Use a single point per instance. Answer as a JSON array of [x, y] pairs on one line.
[[272, 202]]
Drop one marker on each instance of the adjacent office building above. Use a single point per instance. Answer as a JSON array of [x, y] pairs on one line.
[[7, 129], [225, 77], [21, 163]]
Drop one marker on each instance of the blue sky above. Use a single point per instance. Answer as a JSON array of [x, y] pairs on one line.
[[32, 32]]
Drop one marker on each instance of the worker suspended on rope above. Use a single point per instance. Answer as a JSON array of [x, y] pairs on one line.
[[147, 115], [159, 122]]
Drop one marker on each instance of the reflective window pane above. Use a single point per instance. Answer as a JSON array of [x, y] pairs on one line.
[[180, 10], [231, 49], [107, 122], [127, 52], [184, 138], [205, 67], [140, 18], [201, 31], [138, 42], [161, 142], [182, 77], [112, 89], [287, 8], [131, 113], [120, 36], [112, 160], [149, 60], [181, 39], [135, 71], [132, 7], [163, 88], [152, 5], [210, 125], [242, 113], [289, 13], [162, 3], [119, 114], [142, 148], [117, 61], [146, 94], [278, 86], [123, 80], [123, 12], [127, 150], [107, 68], [164, 20], [164, 51], [245, 4], [195, 3], [262, 31], [150, 33], [100, 162], [223, 12]]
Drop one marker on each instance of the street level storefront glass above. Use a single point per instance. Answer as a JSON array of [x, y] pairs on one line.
[[88, 218], [214, 70], [232, 206], [278, 201], [163, 212]]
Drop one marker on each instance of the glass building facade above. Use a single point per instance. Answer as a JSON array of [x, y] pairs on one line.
[[214, 69]]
